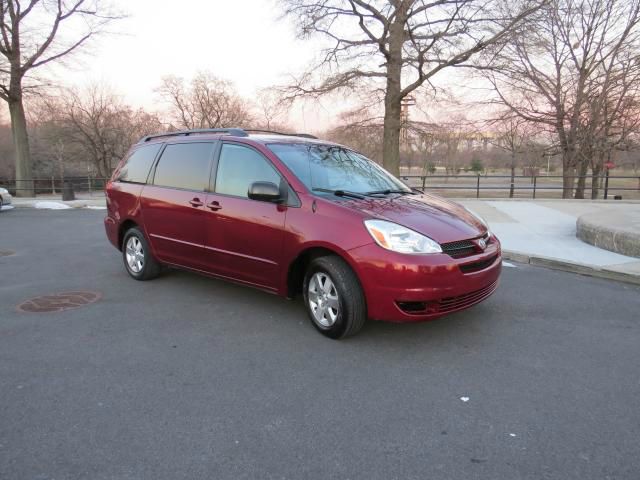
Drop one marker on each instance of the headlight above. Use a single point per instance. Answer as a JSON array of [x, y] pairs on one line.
[[400, 239]]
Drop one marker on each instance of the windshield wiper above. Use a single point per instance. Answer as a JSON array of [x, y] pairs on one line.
[[389, 191], [340, 193]]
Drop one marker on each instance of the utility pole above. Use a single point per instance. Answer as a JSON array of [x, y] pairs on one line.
[[406, 102]]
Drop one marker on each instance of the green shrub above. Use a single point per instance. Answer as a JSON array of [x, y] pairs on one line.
[[476, 165]]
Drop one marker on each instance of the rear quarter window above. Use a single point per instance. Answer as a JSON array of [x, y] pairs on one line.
[[137, 166], [185, 166]]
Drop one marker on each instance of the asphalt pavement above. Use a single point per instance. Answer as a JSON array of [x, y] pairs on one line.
[[187, 377]]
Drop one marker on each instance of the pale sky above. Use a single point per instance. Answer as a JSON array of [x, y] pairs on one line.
[[242, 41]]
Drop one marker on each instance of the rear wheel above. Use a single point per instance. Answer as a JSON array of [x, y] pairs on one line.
[[334, 298], [137, 256]]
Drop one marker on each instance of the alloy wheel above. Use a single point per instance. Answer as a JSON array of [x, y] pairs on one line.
[[134, 254], [323, 299]]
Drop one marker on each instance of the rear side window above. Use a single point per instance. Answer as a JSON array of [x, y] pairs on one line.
[[137, 166], [239, 167], [184, 165]]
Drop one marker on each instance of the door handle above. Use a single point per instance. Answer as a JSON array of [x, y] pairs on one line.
[[214, 205], [196, 202]]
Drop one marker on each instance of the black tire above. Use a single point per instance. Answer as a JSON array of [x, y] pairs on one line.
[[151, 268], [352, 312]]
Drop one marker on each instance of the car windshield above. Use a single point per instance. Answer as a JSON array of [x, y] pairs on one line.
[[333, 168]]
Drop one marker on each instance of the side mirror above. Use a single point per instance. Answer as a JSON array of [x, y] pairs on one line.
[[265, 192]]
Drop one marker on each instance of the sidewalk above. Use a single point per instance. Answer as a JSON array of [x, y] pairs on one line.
[[538, 232], [543, 232], [54, 202]]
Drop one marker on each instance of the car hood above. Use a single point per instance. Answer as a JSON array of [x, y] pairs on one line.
[[442, 220]]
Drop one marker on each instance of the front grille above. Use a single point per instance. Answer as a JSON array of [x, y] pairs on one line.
[[464, 248], [449, 304], [477, 266], [466, 300]]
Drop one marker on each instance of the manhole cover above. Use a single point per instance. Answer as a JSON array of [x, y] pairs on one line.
[[6, 253], [58, 302]]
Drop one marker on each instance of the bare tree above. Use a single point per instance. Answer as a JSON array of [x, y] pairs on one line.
[[7, 164], [396, 46], [94, 126], [425, 143], [514, 136], [362, 130], [553, 68], [207, 102], [32, 36], [272, 110], [612, 117], [449, 138]]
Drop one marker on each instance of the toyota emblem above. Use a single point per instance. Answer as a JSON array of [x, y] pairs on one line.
[[482, 244]]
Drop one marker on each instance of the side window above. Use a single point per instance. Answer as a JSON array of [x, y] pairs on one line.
[[184, 165], [239, 167], [137, 166]]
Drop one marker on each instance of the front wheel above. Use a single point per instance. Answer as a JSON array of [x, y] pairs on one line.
[[334, 298], [138, 259]]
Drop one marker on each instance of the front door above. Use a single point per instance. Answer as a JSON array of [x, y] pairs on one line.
[[173, 203], [244, 237]]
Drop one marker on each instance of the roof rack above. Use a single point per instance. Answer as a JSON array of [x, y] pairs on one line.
[[259, 130], [236, 132]]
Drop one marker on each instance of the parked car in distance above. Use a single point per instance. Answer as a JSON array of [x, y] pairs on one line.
[[5, 198], [292, 214]]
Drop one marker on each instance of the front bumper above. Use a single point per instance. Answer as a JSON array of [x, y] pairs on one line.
[[413, 288], [6, 199]]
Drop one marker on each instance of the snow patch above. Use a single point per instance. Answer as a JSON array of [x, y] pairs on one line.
[[95, 207], [464, 399], [51, 205], [7, 207], [507, 264]]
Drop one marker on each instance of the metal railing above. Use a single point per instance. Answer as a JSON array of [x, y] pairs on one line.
[[53, 185], [533, 186]]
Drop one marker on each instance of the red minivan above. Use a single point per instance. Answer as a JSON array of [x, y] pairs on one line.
[[290, 214]]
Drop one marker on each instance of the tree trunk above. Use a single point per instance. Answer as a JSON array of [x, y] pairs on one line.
[[513, 174], [582, 179], [595, 181], [568, 180], [103, 166], [568, 173], [391, 137], [567, 141], [393, 98], [24, 175], [596, 172]]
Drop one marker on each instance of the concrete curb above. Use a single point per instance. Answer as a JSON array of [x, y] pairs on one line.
[[518, 257], [572, 267], [544, 200], [609, 232], [72, 204]]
